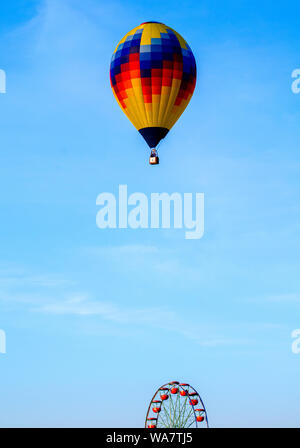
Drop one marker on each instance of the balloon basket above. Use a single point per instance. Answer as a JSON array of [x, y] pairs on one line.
[[154, 160]]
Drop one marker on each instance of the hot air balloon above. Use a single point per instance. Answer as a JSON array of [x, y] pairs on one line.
[[153, 77]]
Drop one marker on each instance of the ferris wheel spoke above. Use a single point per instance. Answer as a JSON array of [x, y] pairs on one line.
[[172, 410], [190, 414], [164, 416], [176, 413], [184, 409], [191, 423], [179, 415], [166, 424], [167, 416]]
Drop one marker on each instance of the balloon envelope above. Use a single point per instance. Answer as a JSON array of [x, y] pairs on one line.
[[153, 77]]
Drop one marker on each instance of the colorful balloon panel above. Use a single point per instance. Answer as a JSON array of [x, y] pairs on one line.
[[153, 77]]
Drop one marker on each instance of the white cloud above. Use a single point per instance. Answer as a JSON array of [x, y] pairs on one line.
[[146, 259], [284, 298], [277, 298], [15, 276], [204, 335], [126, 250], [53, 295]]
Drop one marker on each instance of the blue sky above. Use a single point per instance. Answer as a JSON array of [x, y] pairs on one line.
[[97, 319]]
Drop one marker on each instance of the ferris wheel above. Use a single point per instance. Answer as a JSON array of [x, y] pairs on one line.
[[176, 405]]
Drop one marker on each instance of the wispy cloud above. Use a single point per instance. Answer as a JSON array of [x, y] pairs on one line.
[[22, 278], [21, 285], [153, 317], [277, 298], [146, 258], [52, 295], [126, 250], [284, 298]]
